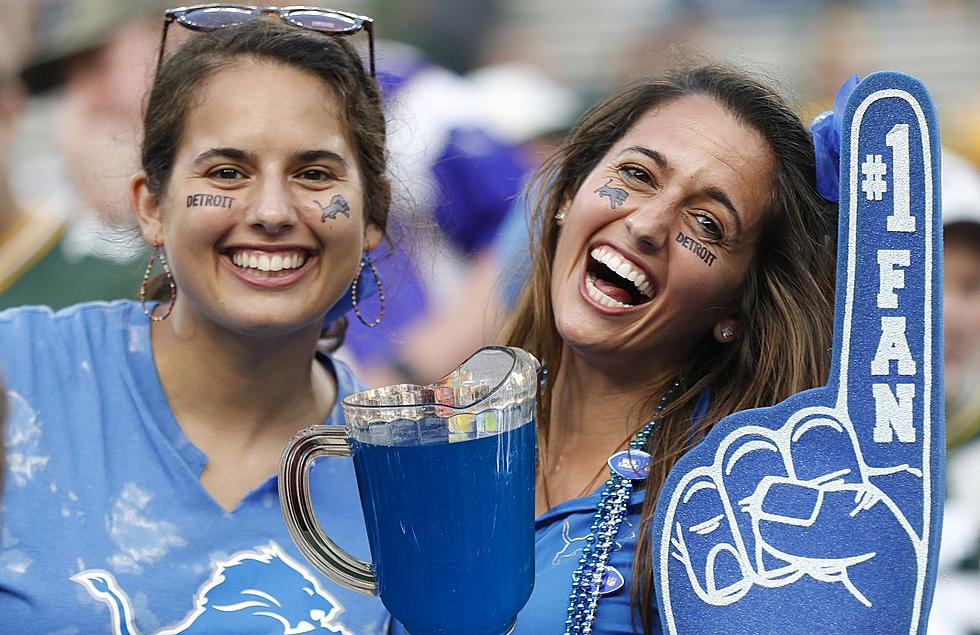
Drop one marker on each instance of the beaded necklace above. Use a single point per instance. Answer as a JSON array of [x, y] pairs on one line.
[[610, 512]]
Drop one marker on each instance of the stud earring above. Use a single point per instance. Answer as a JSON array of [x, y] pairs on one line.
[[560, 216], [727, 333]]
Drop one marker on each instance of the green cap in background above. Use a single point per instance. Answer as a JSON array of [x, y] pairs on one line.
[[68, 29]]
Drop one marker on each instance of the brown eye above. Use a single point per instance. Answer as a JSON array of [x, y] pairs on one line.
[[635, 174], [709, 226], [226, 174], [315, 175]]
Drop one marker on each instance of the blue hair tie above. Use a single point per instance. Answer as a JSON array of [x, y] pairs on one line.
[[825, 129]]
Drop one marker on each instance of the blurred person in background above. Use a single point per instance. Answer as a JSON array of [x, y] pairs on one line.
[[13, 50], [489, 279], [955, 610], [961, 299], [98, 54], [458, 177]]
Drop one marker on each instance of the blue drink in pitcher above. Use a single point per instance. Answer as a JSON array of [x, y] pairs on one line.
[[446, 480], [469, 566]]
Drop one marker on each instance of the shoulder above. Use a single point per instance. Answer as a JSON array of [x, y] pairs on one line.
[[33, 336], [86, 316]]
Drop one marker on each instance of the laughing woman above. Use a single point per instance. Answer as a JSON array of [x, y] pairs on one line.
[[145, 439], [683, 270]]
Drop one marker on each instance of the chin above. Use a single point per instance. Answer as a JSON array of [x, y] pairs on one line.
[[579, 335], [272, 321]]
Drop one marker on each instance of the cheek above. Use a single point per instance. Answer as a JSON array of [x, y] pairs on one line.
[[706, 280], [196, 224]]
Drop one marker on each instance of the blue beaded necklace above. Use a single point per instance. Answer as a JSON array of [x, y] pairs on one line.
[[610, 512]]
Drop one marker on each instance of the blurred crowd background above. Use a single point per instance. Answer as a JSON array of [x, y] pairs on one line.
[[477, 91]]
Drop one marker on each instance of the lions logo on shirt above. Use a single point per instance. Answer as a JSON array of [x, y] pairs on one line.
[[249, 592]]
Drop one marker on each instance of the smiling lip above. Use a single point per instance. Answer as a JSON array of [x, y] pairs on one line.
[[639, 275], [299, 263]]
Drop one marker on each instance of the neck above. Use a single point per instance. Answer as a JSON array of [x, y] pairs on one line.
[[596, 403], [594, 413], [230, 382]]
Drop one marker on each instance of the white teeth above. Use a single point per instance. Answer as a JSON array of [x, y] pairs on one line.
[[601, 297], [264, 261], [624, 269]]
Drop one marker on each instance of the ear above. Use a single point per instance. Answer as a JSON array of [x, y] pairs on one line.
[[146, 205], [372, 237], [726, 330]]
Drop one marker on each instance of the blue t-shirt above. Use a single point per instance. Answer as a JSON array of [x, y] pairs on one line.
[[559, 535], [106, 527]]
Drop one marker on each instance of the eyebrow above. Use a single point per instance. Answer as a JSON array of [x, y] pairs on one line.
[[234, 154], [652, 154], [226, 153], [713, 192], [312, 156]]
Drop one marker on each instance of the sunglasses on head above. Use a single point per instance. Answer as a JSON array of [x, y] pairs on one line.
[[209, 17]]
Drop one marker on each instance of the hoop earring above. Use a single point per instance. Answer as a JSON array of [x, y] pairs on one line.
[[158, 253], [366, 260]]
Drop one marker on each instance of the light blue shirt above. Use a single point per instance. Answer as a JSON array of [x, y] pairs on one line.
[[106, 527]]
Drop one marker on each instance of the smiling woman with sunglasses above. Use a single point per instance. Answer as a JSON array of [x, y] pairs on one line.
[[145, 439]]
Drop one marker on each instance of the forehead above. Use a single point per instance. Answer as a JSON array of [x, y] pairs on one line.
[[259, 104], [703, 142], [698, 126]]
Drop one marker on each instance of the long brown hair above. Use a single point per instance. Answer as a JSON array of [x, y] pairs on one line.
[[785, 308]]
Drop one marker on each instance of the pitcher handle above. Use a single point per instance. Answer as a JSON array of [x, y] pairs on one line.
[[297, 509]]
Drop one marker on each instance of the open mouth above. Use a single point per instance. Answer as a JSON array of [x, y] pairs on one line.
[[615, 282], [268, 263]]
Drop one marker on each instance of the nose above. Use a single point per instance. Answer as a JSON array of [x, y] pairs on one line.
[[273, 212], [649, 224]]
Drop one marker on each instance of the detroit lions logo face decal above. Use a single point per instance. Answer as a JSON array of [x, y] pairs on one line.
[[338, 205], [617, 196]]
